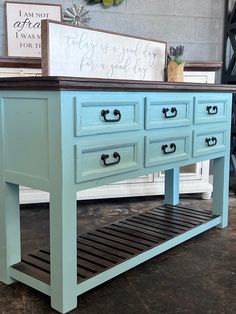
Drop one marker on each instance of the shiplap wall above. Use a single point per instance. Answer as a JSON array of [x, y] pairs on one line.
[[197, 24]]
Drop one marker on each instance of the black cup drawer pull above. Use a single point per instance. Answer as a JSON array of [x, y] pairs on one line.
[[116, 112], [173, 110], [104, 158], [212, 110], [211, 141], [172, 147]]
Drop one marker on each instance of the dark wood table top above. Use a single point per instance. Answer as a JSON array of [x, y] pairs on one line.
[[71, 83]]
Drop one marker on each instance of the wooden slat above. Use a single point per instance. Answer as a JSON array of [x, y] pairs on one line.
[[183, 216], [45, 256], [170, 220], [94, 259], [82, 269], [144, 225], [33, 271], [142, 228], [144, 232], [159, 227], [96, 252], [41, 254], [163, 222], [175, 217], [117, 246], [123, 235], [84, 273], [34, 261], [187, 213], [119, 254], [201, 212], [139, 235], [106, 247], [116, 238], [90, 266]]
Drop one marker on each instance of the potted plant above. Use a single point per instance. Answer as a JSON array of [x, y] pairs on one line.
[[175, 67], [106, 3]]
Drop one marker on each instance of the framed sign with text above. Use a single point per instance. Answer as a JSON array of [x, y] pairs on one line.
[[85, 52], [23, 22]]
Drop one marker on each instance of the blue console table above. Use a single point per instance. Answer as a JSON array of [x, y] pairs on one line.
[[63, 135]]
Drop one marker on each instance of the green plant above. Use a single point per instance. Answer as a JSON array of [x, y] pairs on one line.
[[175, 54], [106, 3]]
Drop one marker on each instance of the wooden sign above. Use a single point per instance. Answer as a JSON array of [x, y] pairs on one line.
[[81, 52], [23, 22]]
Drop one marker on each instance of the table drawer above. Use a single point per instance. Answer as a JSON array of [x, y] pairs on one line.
[[93, 162], [106, 113], [168, 148], [210, 141], [167, 110], [212, 109]]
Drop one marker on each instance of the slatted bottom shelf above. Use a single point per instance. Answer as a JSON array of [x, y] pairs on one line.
[[106, 247]]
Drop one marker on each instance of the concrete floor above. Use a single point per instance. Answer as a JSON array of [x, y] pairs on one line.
[[198, 276]]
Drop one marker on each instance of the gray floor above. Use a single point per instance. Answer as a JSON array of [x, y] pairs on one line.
[[198, 276]]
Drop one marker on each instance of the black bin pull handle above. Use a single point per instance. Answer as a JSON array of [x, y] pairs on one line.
[[172, 147], [211, 141], [104, 158], [172, 110], [116, 112], [212, 110]]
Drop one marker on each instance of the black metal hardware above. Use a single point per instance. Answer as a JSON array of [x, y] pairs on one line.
[[116, 112], [172, 147], [104, 158], [208, 141], [212, 110], [172, 110]]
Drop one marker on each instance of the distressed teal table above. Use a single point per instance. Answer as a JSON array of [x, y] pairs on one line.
[[64, 135]]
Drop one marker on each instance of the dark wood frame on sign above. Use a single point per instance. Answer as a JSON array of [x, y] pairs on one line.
[[45, 44]]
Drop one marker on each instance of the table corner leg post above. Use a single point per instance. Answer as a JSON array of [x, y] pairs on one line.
[[172, 186], [10, 243], [221, 189], [63, 250]]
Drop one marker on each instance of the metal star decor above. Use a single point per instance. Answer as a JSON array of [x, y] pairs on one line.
[[76, 15]]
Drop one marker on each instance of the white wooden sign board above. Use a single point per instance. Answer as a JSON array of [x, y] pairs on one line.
[[81, 52], [23, 22]]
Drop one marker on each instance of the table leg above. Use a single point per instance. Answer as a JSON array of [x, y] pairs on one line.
[[172, 186], [63, 249], [221, 189], [10, 247]]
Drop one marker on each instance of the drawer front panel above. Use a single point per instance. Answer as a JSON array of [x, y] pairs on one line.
[[209, 142], [211, 110], [161, 149], [168, 111], [107, 113], [106, 160]]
